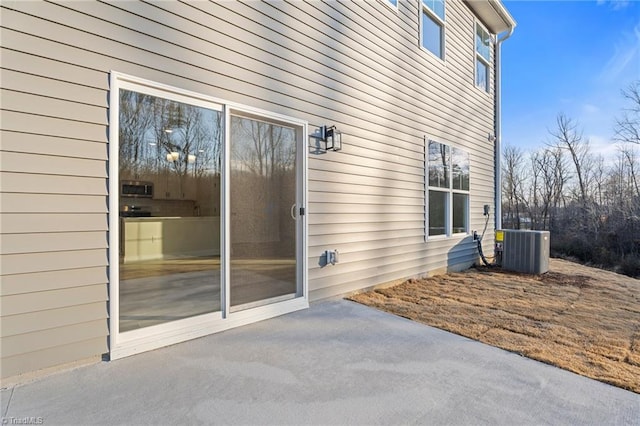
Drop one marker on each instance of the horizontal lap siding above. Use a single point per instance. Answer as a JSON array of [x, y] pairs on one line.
[[376, 244], [53, 195], [359, 66]]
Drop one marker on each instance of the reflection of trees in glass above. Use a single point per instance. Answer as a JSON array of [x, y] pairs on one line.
[[177, 147], [438, 165], [441, 159], [152, 128], [192, 132], [262, 148], [134, 121], [460, 169], [437, 209], [460, 212], [262, 187]]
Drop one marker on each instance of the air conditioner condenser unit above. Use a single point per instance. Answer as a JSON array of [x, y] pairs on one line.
[[523, 251]]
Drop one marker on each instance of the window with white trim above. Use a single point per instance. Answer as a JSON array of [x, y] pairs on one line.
[[432, 26], [447, 190], [483, 57]]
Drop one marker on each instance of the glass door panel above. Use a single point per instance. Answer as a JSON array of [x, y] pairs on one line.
[[169, 168], [263, 209]]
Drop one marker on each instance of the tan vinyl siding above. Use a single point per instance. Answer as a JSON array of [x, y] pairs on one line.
[[21, 223], [53, 190], [49, 164], [59, 336], [52, 280], [52, 356], [25, 263], [41, 105], [51, 184], [47, 242], [48, 145], [359, 66], [14, 325], [52, 203], [21, 60], [20, 122], [20, 81]]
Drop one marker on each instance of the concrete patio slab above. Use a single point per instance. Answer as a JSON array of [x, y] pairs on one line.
[[335, 363]]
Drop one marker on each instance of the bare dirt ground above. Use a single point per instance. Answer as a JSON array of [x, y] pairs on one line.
[[582, 319]]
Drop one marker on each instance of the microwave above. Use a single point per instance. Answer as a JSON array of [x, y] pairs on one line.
[[136, 189]]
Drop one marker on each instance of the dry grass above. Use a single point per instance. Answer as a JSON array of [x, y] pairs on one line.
[[581, 319]]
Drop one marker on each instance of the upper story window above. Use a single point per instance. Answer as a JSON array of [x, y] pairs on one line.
[[432, 34], [483, 57], [448, 190], [391, 4]]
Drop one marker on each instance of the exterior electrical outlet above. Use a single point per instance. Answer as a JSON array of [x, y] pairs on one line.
[[526, 251]]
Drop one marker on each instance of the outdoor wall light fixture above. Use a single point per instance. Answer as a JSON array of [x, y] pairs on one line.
[[332, 138], [327, 139]]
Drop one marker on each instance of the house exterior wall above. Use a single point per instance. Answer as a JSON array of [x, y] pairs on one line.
[[356, 65]]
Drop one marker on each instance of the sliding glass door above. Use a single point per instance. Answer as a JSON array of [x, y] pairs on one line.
[[264, 211], [206, 215], [169, 208]]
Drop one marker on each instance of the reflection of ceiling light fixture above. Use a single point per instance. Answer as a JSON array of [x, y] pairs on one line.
[[201, 150], [172, 156], [191, 158], [152, 144], [168, 130]]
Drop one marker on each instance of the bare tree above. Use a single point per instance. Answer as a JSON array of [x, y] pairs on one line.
[[568, 137], [550, 176], [627, 126], [513, 185], [591, 206], [629, 156]]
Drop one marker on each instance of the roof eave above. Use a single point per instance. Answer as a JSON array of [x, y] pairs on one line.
[[493, 15]]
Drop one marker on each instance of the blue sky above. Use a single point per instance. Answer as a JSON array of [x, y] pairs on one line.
[[572, 57]]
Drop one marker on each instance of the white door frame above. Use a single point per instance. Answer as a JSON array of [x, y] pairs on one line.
[[148, 338]]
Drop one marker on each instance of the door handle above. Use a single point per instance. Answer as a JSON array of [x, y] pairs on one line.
[[293, 212]]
